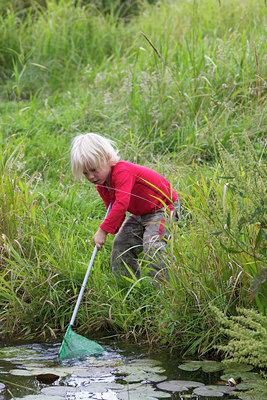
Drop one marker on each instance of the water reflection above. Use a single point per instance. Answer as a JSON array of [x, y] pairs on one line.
[[121, 372]]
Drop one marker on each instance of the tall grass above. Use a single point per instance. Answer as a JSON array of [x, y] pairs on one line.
[[66, 70]]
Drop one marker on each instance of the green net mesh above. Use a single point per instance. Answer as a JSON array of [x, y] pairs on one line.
[[74, 346]]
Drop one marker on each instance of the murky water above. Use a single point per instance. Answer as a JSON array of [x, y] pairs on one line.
[[122, 372]]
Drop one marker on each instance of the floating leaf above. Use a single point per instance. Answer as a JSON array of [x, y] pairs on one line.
[[92, 361], [144, 376], [145, 362], [207, 366], [239, 375], [175, 386], [213, 390], [62, 372], [93, 372], [211, 366], [58, 390], [141, 392], [15, 354], [134, 368], [20, 372], [236, 367], [190, 366], [141, 370], [245, 385], [207, 391]]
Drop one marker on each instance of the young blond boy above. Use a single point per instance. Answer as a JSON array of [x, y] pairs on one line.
[[144, 193]]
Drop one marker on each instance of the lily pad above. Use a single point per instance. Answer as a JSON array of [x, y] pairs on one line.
[[58, 390], [20, 372], [239, 375], [93, 372], [211, 366], [60, 371], [245, 385], [144, 376], [101, 387], [190, 366], [178, 386], [15, 354], [206, 366], [141, 370], [207, 391], [92, 361], [213, 390], [134, 368], [141, 392], [237, 367]]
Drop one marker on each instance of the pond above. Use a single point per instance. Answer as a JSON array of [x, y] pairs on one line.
[[31, 371]]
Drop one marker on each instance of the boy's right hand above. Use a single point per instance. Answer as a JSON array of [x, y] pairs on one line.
[[100, 238]]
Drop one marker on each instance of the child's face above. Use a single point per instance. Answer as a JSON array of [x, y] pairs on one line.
[[98, 176]]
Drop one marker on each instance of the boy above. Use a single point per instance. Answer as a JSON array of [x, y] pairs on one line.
[[146, 194]]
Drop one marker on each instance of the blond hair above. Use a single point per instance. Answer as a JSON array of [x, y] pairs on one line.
[[91, 150]]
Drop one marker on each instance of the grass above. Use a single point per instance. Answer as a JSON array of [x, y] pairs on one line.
[[66, 70]]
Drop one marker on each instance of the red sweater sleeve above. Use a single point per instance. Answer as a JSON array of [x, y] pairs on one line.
[[123, 182]]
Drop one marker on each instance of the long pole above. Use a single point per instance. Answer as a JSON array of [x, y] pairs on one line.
[[86, 278]]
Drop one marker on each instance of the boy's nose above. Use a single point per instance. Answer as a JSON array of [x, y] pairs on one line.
[[91, 176]]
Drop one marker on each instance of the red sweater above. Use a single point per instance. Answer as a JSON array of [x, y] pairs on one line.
[[136, 189]]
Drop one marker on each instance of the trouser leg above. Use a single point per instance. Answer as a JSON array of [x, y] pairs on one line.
[[127, 245], [158, 228]]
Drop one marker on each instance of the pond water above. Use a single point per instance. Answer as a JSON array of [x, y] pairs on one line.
[[31, 371]]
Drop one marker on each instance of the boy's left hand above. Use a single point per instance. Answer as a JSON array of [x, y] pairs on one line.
[[100, 238]]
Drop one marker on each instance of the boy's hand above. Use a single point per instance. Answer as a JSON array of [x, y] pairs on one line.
[[100, 238]]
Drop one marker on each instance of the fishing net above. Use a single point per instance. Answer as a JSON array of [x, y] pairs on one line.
[[75, 345]]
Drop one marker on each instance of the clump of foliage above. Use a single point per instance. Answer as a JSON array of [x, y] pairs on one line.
[[247, 334]]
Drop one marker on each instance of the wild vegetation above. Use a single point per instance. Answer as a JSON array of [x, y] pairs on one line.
[[180, 88]]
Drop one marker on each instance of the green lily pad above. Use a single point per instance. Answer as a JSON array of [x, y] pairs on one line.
[[141, 392], [240, 375], [208, 391], [93, 372], [141, 370], [206, 366], [144, 376], [211, 366], [190, 366], [245, 385], [20, 372], [233, 366], [92, 361], [15, 354], [134, 368], [175, 386], [60, 371], [247, 396], [58, 390], [101, 387]]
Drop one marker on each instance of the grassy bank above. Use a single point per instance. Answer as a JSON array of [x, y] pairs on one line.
[[192, 107]]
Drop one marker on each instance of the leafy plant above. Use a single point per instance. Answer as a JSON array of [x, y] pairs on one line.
[[247, 333]]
